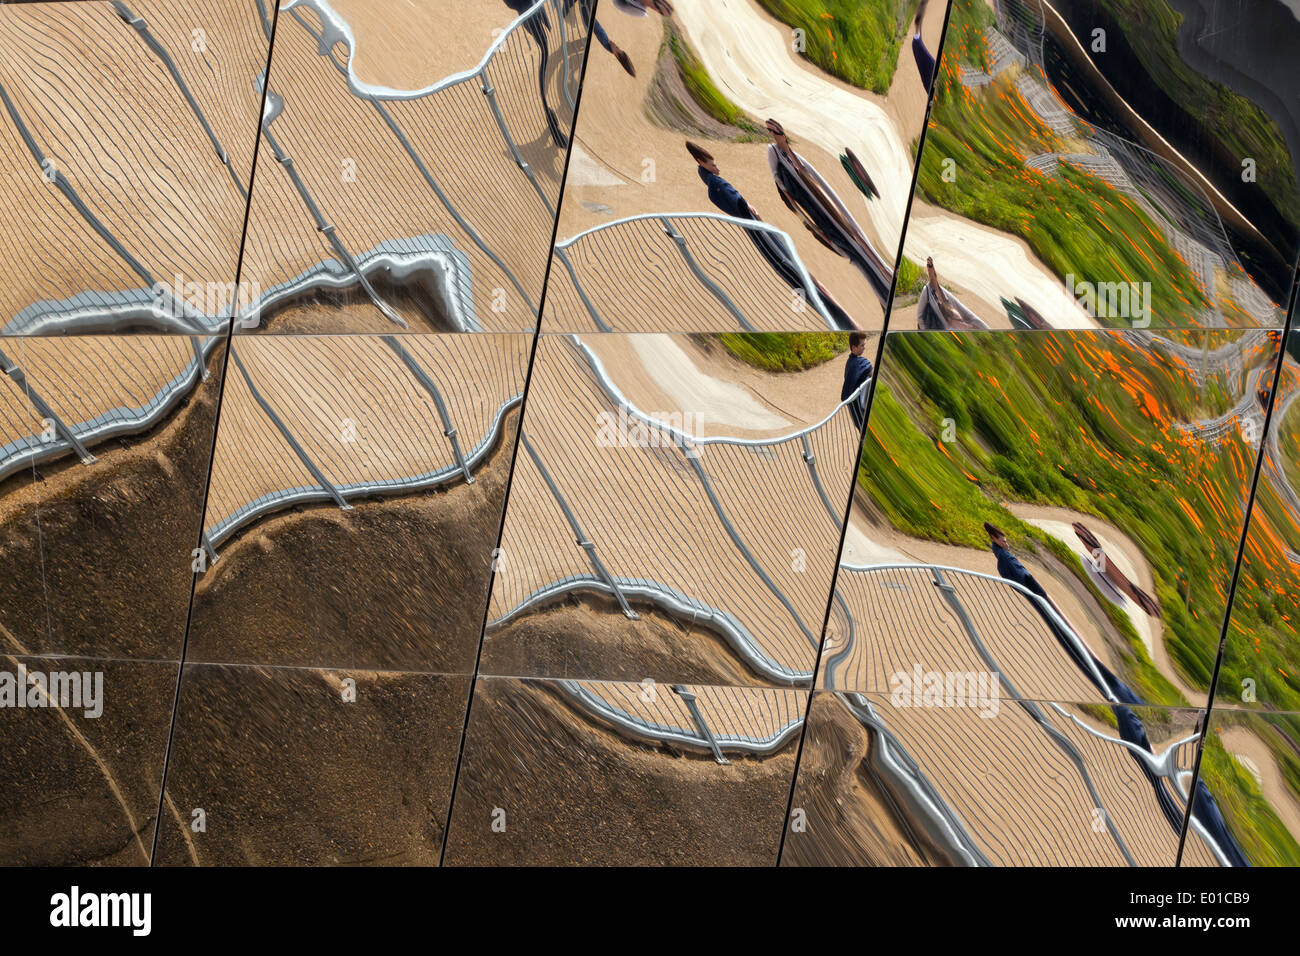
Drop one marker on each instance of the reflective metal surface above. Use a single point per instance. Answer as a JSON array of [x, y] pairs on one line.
[[105, 452], [752, 230], [416, 189], [1061, 508], [317, 746], [1250, 757], [342, 453], [599, 773], [1248, 767], [664, 480], [82, 779], [1095, 165], [1260, 653], [989, 779], [649, 432], [126, 147]]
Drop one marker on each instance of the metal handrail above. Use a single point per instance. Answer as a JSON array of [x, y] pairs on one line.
[[616, 395], [285, 498], [562, 247], [77, 437], [691, 738], [334, 29], [737, 636], [1037, 601], [337, 30]]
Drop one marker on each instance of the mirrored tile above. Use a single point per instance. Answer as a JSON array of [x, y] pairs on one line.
[[741, 166], [284, 767], [597, 773], [1062, 508], [103, 464], [1261, 654], [82, 762], [411, 165], [1248, 786], [970, 775], [125, 153], [676, 507], [356, 499], [1089, 165]]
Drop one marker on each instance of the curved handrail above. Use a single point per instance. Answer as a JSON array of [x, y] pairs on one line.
[[753, 225], [1038, 602], [335, 29], [616, 395], [116, 421], [278, 500], [677, 735]]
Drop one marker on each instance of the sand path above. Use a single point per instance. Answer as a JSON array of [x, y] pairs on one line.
[[1128, 557], [750, 59], [1253, 754], [724, 396]]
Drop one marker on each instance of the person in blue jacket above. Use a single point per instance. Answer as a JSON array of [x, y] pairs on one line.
[[924, 59], [857, 369], [1205, 810]]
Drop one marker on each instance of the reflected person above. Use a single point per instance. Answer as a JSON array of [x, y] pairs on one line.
[[727, 198], [857, 369]]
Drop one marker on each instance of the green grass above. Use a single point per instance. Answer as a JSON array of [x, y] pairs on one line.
[[1076, 223], [1085, 422], [785, 351], [855, 40], [910, 278], [1288, 445], [1261, 645], [1262, 836], [701, 87]]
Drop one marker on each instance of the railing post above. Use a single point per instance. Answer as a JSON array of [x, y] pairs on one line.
[[693, 706], [325, 484], [817, 481], [142, 28], [708, 283], [427, 383], [582, 540], [199, 358], [328, 230], [490, 93], [44, 410], [582, 293], [1032, 709]]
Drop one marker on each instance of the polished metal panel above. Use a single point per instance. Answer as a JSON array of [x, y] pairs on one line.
[[1116, 465], [596, 772], [342, 453], [1247, 778], [710, 526], [410, 181], [809, 236], [981, 777], [357, 766], [670, 562], [1258, 668], [126, 146], [1097, 165], [104, 455], [83, 764]]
